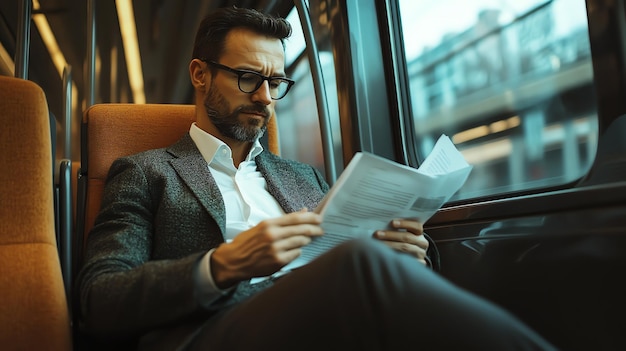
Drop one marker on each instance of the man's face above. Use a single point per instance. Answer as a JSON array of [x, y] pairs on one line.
[[237, 115]]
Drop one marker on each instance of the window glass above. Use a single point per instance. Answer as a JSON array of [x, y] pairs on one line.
[[510, 82], [298, 121], [297, 118], [295, 44]]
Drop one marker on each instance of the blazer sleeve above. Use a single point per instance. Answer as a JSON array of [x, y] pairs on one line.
[[122, 292]]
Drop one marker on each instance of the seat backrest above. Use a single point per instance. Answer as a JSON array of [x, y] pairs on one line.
[[34, 312], [114, 130]]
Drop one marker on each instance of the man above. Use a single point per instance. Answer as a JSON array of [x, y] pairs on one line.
[[183, 230]]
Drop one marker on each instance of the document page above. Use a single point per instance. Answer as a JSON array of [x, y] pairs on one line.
[[372, 191]]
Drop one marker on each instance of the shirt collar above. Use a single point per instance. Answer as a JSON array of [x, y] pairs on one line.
[[210, 146]]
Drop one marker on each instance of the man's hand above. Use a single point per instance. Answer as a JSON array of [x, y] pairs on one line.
[[406, 236], [265, 248]]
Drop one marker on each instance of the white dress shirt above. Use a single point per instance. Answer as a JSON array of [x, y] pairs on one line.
[[245, 195]]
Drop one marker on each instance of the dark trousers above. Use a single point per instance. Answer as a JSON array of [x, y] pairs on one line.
[[362, 295]]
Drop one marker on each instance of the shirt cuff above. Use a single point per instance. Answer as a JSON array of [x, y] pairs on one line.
[[207, 291]]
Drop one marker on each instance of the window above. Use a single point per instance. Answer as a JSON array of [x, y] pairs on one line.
[[298, 118], [510, 82]]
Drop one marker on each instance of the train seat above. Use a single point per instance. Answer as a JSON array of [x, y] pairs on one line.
[[114, 130], [34, 313]]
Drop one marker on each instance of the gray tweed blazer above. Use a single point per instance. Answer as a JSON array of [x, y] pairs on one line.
[[161, 211]]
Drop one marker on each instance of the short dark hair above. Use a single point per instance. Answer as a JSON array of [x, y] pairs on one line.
[[211, 35]]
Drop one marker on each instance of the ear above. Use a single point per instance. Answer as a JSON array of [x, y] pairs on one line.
[[198, 74]]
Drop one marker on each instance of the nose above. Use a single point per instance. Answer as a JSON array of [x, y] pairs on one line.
[[262, 95]]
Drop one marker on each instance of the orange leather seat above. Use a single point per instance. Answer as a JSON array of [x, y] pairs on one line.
[[113, 130], [34, 314]]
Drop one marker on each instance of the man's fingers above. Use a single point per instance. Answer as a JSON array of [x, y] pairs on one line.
[[300, 217], [296, 223], [292, 242], [402, 237], [410, 225]]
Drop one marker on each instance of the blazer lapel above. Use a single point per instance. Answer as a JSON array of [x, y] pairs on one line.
[[193, 170], [286, 190]]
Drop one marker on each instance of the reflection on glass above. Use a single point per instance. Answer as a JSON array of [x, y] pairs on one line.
[[297, 119], [510, 82], [297, 115]]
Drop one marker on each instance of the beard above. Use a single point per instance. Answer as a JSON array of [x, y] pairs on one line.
[[229, 123]]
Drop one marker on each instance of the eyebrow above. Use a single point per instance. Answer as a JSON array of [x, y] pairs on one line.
[[274, 75]]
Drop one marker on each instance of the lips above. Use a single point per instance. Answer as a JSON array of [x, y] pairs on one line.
[[256, 113]]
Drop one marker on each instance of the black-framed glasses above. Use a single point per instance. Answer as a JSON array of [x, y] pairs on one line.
[[250, 81]]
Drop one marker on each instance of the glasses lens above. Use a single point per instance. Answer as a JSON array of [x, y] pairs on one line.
[[249, 82], [278, 88]]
